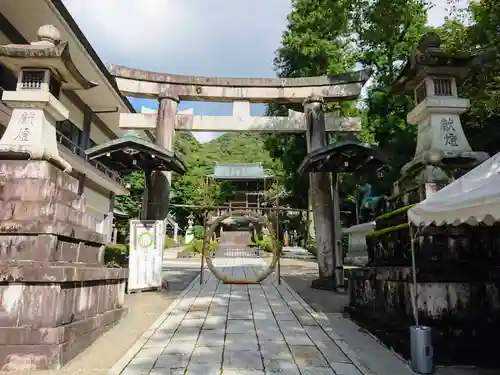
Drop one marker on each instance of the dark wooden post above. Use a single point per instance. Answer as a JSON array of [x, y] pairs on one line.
[[321, 194], [337, 232]]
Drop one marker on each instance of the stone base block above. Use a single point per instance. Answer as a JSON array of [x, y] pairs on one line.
[[464, 312], [324, 284], [56, 295], [49, 348], [49, 313]]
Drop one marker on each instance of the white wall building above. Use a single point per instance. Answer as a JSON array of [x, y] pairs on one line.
[[93, 113]]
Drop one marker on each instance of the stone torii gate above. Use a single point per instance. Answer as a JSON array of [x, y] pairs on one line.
[[170, 89]]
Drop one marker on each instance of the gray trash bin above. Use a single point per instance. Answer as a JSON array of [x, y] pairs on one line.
[[422, 360]]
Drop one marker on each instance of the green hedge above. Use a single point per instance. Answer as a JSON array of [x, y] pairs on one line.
[[169, 242], [116, 255], [198, 232], [265, 244], [196, 246]]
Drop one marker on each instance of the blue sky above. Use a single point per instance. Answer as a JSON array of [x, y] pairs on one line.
[[228, 38]]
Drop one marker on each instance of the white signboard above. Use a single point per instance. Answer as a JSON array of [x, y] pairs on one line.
[[147, 241]]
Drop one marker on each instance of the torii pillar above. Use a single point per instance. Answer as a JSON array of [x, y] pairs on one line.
[[320, 192], [158, 197]]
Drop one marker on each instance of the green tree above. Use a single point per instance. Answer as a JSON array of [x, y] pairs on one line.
[[315, 43], [316, 39], [194, 187], [132, 204], [483, 84], [387, 32]]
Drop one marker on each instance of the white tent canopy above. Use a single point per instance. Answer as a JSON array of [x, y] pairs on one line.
[[473, 198]]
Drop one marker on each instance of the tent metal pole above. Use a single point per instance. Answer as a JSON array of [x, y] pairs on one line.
[[414, 273]]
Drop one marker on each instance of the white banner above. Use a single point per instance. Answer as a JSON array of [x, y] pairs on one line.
[[147, 241]]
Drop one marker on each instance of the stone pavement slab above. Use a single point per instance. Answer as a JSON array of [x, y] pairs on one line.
[[241, 329], [258, 330]]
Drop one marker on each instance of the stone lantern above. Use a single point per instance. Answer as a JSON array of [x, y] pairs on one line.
[[190, 230], [432, 75], [43, 68]]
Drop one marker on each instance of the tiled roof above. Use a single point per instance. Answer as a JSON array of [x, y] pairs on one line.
[[241, 171]]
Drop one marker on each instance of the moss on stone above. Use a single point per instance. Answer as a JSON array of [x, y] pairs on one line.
[[381, 232], [395, 212]]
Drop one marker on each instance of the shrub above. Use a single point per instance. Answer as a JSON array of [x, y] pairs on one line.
[[180, 240], [213, 245], [169, 242], [198, 232], [196, 246], [116, 255], [311, 246], [265, 244]]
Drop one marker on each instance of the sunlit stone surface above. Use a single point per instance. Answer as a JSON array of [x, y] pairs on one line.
[[241, 329]]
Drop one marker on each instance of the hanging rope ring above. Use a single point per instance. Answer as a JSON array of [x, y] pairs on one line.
[[254, 218]]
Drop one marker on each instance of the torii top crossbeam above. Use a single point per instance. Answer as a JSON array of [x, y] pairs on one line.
[[142, 83], [169, 88]]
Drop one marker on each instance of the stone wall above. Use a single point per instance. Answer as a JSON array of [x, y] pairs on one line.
[[458, 291], [237, 238], [56, 295]]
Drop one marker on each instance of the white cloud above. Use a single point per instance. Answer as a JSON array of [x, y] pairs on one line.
[[195, 37], [198, 37]]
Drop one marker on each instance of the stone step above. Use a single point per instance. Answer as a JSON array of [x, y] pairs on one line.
[[297, 256], [296, 252], [240, 238]]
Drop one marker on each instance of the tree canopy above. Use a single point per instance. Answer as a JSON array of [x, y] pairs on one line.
[[325, 37], [332, 36]]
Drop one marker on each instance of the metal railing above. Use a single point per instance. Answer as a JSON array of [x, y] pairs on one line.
[[237, 252], [77, 150]]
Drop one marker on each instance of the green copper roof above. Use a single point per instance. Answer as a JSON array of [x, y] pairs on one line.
[[347, 156], [131, 152], [239, 171]]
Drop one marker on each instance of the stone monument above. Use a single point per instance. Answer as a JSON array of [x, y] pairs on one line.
[[56, 295]]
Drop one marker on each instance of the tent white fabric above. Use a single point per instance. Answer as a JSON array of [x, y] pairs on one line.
[[473, 198]]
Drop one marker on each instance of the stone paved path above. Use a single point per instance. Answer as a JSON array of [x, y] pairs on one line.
[[238, 329]]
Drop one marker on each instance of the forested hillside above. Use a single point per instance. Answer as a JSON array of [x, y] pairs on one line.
[[189, 189], [201, 158]]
